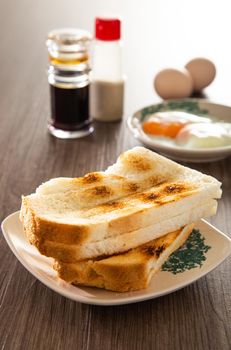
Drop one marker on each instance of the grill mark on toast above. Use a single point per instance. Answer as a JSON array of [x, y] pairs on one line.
[[158, 196], [160, 250], [132, 187], [156, 247], [101, 191], [155, 180], [149, 197], [136, 162], [110, 206], [92, 178], [153, 250], [152, 196], [96, 177], [175, 188], [167, 193]]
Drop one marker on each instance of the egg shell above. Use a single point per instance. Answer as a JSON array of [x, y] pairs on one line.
[[203, 72], [173, 83]]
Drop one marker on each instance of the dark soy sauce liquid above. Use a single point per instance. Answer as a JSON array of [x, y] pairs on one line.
[[69, 108]]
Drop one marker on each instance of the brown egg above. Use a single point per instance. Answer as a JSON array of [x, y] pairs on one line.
[[203, 72], [173, 83]]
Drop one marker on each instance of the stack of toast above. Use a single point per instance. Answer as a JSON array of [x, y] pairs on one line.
[[115, 229]]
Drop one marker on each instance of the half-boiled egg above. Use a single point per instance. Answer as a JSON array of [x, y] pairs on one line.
[[204, 135], [170, 123], [187, 130]]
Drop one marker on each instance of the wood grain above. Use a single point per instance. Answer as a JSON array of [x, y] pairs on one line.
[[31, 315]]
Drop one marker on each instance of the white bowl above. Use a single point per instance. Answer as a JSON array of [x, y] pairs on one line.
[[195, 106]]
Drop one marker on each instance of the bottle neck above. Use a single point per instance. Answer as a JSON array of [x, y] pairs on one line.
[[68, 79], [71, 61]]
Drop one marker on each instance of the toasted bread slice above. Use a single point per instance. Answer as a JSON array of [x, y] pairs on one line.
[[125, 272], [121, 243], [140, 190]]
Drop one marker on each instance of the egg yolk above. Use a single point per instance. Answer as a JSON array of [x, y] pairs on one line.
[[166, 129]]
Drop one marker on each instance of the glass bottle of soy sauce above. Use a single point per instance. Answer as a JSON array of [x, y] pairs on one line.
[[68, 76]]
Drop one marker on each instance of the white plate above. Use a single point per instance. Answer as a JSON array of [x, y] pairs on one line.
[[194, 106], [162, 283]]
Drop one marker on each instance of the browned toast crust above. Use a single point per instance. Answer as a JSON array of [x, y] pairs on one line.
[[124, 272]]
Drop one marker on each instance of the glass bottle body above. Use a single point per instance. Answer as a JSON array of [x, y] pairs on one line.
[[68, 77]]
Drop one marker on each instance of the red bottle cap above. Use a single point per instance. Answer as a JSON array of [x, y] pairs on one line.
[[107, 29]]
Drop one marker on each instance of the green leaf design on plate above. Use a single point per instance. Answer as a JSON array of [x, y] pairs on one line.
[[177, 105], [189, 256]]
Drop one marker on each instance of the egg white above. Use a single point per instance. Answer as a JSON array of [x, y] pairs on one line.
[[198, 132], [204, 135], [177, 117]]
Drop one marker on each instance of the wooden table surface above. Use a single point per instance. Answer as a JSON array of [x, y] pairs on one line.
[[156, 34]]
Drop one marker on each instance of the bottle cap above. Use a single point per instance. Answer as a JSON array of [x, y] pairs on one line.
[[107, 29], [68, 49]]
